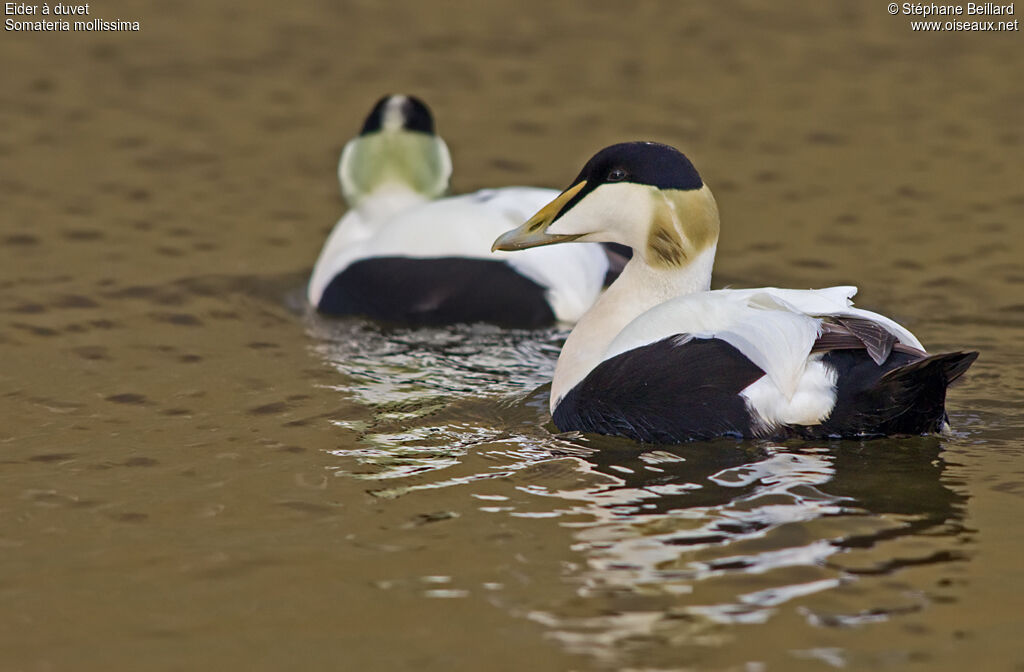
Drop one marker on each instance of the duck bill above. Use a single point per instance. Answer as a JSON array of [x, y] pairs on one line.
[[534, 232]]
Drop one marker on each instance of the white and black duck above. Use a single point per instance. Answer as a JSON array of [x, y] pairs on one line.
[[404, 254], [661, 358]]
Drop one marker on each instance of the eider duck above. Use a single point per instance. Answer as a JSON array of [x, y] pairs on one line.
[[403, 254], [662, 358]]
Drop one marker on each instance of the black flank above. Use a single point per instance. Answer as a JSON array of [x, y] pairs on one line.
[[664, 393], [437, 291]]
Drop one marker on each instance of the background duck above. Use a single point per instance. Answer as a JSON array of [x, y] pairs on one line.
[[403, 254], [662, 358]]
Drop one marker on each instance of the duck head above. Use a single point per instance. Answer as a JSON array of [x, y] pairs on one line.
[[396, 150], [644, 195]]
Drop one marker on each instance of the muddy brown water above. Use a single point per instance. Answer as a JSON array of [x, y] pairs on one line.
[[195, 473]]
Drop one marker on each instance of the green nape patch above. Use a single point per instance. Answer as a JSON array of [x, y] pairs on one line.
[[412, 159], [685, 223], [664, 247]]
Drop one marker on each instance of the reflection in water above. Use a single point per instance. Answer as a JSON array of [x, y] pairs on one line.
[[726, 534], [435, 393], [675, 540], [405, 368]]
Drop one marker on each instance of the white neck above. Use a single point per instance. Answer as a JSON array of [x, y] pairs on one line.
[[638, 289], [386, 200]]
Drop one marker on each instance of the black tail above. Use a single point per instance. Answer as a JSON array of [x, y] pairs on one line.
[[909, 398], [916, 392], [947, 367]]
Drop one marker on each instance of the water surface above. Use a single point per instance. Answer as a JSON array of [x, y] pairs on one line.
[[195, 472]]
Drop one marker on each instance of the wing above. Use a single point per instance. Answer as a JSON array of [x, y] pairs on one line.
[[856, 333], [777, 329]]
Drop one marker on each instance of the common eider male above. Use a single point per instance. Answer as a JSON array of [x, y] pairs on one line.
[[403, 254], [660, 358]]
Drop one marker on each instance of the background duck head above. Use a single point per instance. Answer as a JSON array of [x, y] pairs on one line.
[[397, 152]]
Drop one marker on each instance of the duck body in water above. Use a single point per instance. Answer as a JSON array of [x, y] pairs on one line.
[[405, 254], [662, 358]]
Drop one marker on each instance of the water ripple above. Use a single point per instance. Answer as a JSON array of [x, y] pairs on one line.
[[673, 541]]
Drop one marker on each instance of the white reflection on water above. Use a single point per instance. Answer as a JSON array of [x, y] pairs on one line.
[[666, 553], [467, 378], [387, 367], [671, 554]]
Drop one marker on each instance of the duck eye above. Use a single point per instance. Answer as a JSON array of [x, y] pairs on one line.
[[616, 175]]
